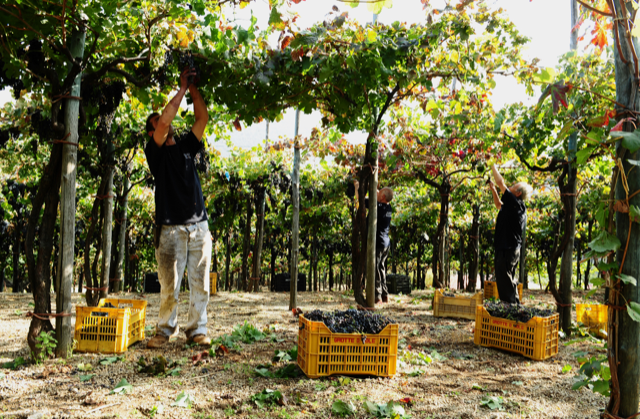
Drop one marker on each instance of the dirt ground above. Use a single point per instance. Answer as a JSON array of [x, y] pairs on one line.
[[452, 386]]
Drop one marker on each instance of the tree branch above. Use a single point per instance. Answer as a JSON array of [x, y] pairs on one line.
[[593, 9]]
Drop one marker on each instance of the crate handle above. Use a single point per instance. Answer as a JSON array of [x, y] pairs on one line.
[[125, 305], [99, 314], [302, 326]]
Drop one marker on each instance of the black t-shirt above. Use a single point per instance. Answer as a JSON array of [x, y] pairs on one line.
[[178, 192], [510, 223], [383, 224]]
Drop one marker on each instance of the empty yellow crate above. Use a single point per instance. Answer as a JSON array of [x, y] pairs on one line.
[[459, 306], [110, 330], [536, 339], [213, 283], [322, 353], [491, 290], [595, 317]]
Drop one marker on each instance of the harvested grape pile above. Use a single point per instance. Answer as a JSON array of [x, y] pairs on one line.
[[516, 312], [350, 321]]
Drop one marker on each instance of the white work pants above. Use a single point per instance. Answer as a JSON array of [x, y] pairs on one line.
[[180, 246]]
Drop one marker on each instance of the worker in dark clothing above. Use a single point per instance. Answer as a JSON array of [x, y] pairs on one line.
[[182, 233], [510, 225]]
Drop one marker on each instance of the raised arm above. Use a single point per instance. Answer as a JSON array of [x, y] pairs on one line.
[[169, 112], [499, 180], [199, 111], [496, 199]]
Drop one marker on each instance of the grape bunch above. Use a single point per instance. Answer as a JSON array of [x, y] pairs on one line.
[[186, 61], [351, 321], [16, 84], [516, 312], [160, 75], [202, 161]]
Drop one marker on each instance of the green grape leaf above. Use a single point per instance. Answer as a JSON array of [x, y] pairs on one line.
[[122, 387]]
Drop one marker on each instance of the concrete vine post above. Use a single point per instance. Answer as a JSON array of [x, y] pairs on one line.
[[107, 227], [295, 228], [68, 204]]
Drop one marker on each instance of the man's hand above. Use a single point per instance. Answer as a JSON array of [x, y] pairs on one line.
[[185, 76]]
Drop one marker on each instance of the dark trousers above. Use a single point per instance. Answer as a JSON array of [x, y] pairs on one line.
[[505, 265], [381, 272]]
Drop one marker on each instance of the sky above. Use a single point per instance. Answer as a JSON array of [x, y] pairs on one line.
[[546, 22]]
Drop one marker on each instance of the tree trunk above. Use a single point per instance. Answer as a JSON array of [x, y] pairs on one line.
[[474, 244], [372, 223], [227, 262], [257, 249], [117, 244], [331, 270], [566, 266], [315, 265], [295, 227], [439, 275], [39, 271], [246, 244], [17, 285], [461, 262], [624, 333], [588, 268], [107, 226], [64, 330], [92, 295]]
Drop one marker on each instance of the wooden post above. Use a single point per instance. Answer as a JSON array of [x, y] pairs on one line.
[[68, 205], [295, 229]]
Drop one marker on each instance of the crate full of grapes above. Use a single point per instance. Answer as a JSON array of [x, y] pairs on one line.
[[347, 342], [458, 306], [515, 328], [491, 290]]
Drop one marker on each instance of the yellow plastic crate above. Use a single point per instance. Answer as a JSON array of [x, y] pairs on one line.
[[213, 283], [595, 317], [110, 330], [536, 339], [322, 353], [491, 290], [459, 306]]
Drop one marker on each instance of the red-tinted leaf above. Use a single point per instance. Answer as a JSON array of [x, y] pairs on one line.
[[600, 121], [618, 126], [237, 125], [600, 34], [558, 93], [285, 42]]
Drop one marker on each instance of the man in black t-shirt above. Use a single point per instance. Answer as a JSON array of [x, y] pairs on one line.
[[183, 238], [510, 225]]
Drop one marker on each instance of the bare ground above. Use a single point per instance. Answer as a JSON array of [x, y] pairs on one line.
[[223, 386]]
